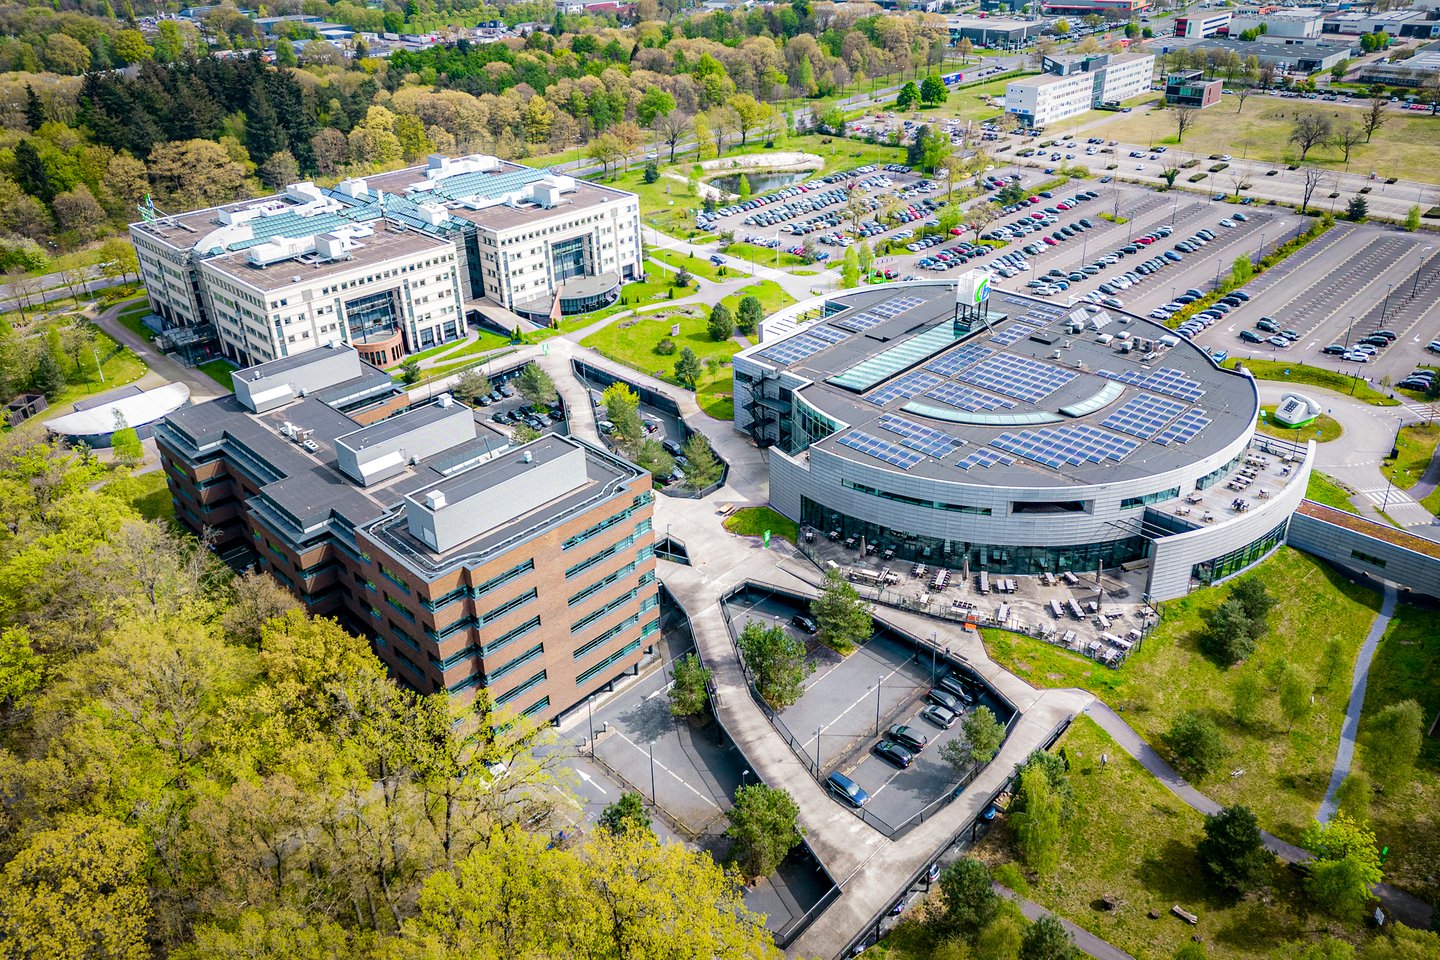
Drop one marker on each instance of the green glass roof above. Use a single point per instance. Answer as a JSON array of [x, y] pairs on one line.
[[902, 356]]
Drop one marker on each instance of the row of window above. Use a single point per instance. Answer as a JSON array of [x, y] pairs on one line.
[[915, 501], [600, 612], [591, 646], [618, 655], [599, 528], [608, 552], [479, 590]]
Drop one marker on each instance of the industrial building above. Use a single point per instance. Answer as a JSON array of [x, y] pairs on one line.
[[392, 264], [1416, 71], [947, 424], [994, 31], [467, 561], [1298, 56], [1069, 86], [1203, 24], [1397, 23], [1119, 9], [1276, 23]]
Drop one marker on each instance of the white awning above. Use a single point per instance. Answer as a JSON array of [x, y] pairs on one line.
[[138, 410]]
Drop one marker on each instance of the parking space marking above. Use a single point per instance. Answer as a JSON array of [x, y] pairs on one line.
[[678, 779], [862, 699]]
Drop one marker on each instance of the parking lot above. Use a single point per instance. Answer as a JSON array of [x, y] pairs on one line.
[[849, 702]]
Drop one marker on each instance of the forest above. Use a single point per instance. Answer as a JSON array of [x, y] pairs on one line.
[[96, 114], [191, 767]]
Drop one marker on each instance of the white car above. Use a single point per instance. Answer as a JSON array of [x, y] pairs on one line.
[[1227, 223], [1355, 357], [1139, 166]]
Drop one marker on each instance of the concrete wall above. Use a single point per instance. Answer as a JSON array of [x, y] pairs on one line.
[[1350, 546]]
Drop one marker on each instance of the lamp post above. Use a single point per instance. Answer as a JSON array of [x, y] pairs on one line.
[[590, 710], [1385, 308], [1415, 288], [818, 731], [878, 682], [1348, 327], [1217, 273], [652, 773]]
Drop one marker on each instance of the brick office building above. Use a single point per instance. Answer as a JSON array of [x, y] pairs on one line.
[[468, 562]]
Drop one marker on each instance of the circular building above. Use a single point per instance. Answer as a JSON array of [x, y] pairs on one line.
[[945, 423], [97, 418]]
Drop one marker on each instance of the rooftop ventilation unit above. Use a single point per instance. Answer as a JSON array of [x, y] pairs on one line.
[[435, 499]]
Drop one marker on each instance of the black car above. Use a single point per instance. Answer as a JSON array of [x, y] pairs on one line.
[[892, 752], [804, 623], [951, 684], [944, 699], [1334, 350], [908, 737]]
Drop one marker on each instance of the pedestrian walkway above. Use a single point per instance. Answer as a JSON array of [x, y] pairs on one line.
[[1346, 752], [1088, 943], [1398, 505], [1399, 905]]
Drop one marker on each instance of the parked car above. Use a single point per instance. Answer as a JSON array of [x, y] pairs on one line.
[[908, 737], [805, 623], [892, 752], [846, 789], [942, 698], [942, 717], [951, 684]]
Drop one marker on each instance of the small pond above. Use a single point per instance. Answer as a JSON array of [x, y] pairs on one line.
[[761, 182]]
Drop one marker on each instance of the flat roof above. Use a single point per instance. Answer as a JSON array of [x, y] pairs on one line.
[[380, 247], [997, 406]]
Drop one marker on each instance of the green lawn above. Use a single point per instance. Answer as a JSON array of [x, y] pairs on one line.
[[1286, 770], [633, 342], [146, 492], [763, 255], [768, 292], [1323, 489], [1315, 377], [1322, 430], [1416, 446], [122, 368], [220, 371], [967, 103], [754, 521], [699, 266], [1407, 667], [130, 320], [1132, 839], [1405, 146]]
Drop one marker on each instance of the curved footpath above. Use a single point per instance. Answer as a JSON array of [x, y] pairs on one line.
[[1399, 905], [1346, 752]]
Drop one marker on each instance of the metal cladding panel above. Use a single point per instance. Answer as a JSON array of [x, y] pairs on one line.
[[1339, 545]]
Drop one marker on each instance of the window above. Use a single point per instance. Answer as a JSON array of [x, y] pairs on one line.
[[590, 646], [506, 638], [602, 584], [518, 662], [594, 615], [1132, 502], [509, 695], [1048, 506], [620, 654], [1374, 561], [915, 501], [508, 606]]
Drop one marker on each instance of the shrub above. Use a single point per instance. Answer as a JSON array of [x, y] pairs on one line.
[[1197, 177], [1196, 743], [1216, 168], [665, 347]]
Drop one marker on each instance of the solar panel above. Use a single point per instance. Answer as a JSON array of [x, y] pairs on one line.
[[1074, 445], [1166, 380], [1185, 429], [958, 359], [1011, 333], [1020, 377], [984, 457], [880, 449], [1143, 416], [905, 387], [879, 313], [826, 333], [904, 355], [860, 322], [795, 349], [968, 398], [897, 305], [917, 436]]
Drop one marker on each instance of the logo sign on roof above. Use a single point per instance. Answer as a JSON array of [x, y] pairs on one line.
[[972, 289]]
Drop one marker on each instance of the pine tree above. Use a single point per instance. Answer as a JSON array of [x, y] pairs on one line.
[[34, 109]]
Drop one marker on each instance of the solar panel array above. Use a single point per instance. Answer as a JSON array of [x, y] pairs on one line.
[[880, 449], [984, 457], [1018, 377], [799, 347], [826, 334], [1185, 429], [917, 436], [1143, 416], [1018, 330], [879, 313], [1074, 445], [1166, 380], [968, 398], [958, 359], [905, 387]]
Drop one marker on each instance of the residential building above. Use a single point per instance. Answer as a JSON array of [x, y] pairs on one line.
[[467, 561], [972, 430], [1189, 88], [1069, 86], [394, 263], [1202, 24]]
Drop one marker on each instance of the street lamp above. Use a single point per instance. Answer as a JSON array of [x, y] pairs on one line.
[[1385, 308], [1416, 287], [1217, 273], [878, 682], [590, 710]]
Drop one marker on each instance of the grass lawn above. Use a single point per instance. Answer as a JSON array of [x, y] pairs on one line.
[[699, 266], [754, 521], [763, 255], [1131, 838], [1323, 489], [1407, 667], [768, 292], [1416, 445], [1405, 146], [220, 371], [1322, 430], [122, 368], [1314, 376], [968, 103], [632, 341], [131, 321], [1286, 770], [146, 492]]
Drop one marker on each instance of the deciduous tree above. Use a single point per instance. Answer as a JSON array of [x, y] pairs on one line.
[[764, 825], [843, 618], [689, 690], [1390, 744], [776, 661], [1038, 825], [1346, 866], [1196, 742]]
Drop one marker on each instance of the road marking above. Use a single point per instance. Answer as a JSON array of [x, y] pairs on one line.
[[662, 690], [678, 779], [593, 782]]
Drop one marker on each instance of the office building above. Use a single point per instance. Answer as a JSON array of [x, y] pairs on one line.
[[391, 264], [1120, 10], [1405, 24], [1189, 88], [1417, 71], [1069, 86], [467, 561], [975, 430], [994, 31], [1203, 24]]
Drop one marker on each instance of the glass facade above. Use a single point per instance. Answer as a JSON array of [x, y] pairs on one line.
[[808, 425], [994, 558], [598, 301], [372, 317], [1228, 564], [567, 258]]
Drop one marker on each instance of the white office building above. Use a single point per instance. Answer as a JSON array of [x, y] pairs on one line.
[[392, 264], [1301, 23], [1069, 86]]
